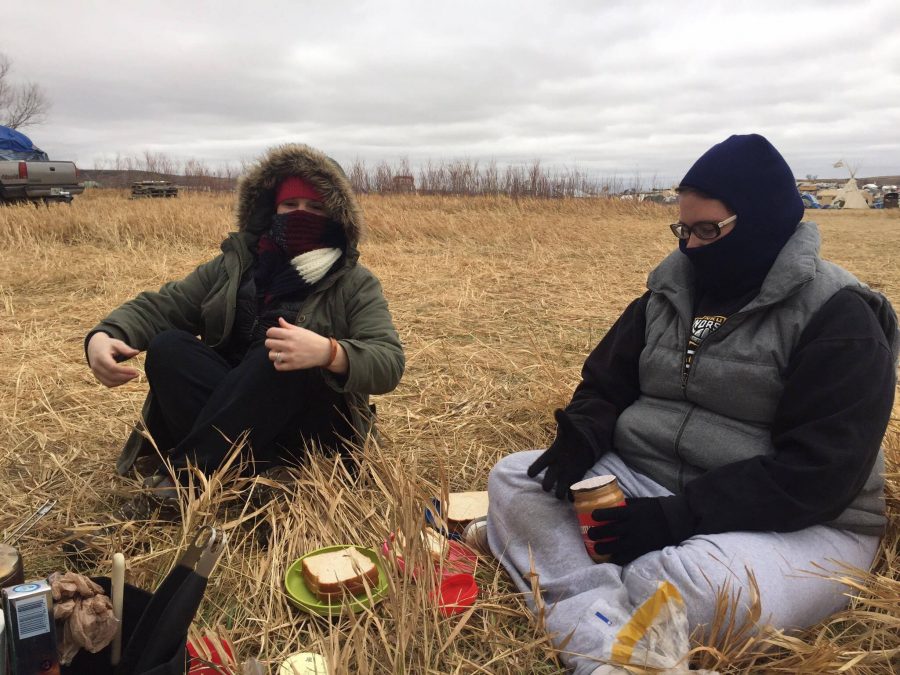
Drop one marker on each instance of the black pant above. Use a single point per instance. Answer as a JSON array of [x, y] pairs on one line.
[[202, 404]]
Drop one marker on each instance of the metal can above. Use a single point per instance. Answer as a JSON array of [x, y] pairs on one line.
[[599, 492], [12, 572]]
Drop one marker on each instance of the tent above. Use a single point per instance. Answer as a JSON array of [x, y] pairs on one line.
[[850, 197], [16, 145]]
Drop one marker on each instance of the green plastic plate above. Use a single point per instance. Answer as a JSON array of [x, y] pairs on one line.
[[300, 596]]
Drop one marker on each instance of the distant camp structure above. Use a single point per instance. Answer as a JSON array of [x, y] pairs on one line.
[[153, 188], [848, 195], [891, 200], [403, 184]]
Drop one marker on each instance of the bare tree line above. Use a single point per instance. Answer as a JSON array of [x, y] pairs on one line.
[[162, 164], [122, 170], [444, 177], [473, 177]]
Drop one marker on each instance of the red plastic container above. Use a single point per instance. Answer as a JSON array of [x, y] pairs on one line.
[[457, 589], [456, 593], [212, 657]]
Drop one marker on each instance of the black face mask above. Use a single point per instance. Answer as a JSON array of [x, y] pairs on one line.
[[747, 174], [735, 263]]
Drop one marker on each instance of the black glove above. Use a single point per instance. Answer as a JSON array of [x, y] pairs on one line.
[[566, 460], [644, 524]]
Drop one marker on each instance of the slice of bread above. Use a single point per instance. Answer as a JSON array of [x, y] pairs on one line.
[[333, 574], [435, 543], [464, 507]]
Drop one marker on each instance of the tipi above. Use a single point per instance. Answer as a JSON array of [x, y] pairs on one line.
[[849, 196]]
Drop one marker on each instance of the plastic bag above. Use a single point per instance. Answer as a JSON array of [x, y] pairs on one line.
[[657, 635]]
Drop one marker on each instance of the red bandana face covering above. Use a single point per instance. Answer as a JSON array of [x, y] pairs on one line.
[[296, 253], [299, 232]]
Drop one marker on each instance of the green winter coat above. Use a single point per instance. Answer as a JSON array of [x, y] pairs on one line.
[[347, 304]]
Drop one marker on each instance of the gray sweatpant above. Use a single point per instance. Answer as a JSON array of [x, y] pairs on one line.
[[529, 526]]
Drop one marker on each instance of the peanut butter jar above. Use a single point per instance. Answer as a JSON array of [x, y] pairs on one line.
[[599, 492]]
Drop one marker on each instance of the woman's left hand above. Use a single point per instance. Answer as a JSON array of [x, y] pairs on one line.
[[294, 348]]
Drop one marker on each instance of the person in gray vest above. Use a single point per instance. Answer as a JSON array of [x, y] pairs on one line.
[[741, 403]]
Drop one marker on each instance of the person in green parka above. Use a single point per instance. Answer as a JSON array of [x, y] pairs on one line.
[[283, 335]]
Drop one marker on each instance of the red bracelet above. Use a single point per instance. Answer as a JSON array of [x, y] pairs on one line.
[[334, 350]]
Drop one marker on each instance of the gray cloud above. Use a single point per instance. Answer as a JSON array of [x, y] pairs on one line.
[[615, 87]]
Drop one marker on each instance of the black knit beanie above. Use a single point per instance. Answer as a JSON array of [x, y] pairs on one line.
[[752, 179]]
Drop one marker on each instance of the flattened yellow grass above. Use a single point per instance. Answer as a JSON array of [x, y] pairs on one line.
[[498, 302]]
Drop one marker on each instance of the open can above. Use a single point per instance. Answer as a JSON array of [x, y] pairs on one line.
[[12, 573]]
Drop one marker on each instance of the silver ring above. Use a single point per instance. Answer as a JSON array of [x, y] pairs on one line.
[[277, 357]]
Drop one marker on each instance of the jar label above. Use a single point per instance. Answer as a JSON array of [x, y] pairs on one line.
[[586, 522]]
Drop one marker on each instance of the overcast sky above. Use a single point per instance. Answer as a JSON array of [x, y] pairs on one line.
[[615, 87]]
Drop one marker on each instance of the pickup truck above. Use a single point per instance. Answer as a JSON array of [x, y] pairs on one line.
[[38, 181], [26, 174]]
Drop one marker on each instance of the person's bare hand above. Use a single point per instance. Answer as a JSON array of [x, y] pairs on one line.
[[104, 354], [294, 348]]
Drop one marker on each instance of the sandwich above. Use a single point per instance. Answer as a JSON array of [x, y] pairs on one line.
[[464, 507], [333, 574]]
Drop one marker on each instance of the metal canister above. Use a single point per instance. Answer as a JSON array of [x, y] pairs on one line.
[[11, 570], [599, 492]]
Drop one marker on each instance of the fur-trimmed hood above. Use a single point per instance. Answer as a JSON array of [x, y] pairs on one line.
[[256, 190]]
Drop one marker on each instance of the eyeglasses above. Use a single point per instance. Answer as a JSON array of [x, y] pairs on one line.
[[705, 230]]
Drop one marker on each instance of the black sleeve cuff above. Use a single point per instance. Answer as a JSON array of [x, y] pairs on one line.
[[679, 517]]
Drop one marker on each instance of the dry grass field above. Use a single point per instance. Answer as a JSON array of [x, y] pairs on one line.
[[498, 303]]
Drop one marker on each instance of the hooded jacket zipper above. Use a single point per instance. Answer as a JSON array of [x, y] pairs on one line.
[[681, 428], [685, 376]]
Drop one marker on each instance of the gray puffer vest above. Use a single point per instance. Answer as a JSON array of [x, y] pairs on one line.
[[723, 410]]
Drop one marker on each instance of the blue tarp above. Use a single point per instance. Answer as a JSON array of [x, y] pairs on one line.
[[810, 201], [16, 145]]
